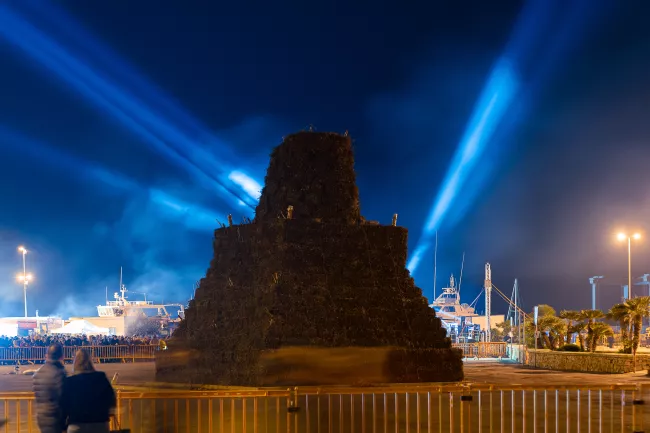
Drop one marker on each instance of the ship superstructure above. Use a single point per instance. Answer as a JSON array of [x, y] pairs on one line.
[[168, 314], [456, 317], [121, 306]]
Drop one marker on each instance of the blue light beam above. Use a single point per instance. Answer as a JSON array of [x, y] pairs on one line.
[[490, 108], [106, 59], [158, 132], [191, 216], [543, 34]]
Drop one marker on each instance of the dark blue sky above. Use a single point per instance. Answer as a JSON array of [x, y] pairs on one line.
[[87, 193]]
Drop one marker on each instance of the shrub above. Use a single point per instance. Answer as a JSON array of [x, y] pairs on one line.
[[570, 348]]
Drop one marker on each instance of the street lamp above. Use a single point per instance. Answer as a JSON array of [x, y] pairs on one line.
[[622, 237], [24, 277]]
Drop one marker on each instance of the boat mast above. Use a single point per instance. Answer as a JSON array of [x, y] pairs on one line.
[[435, 266], [516, 290], [460, 280], [513, 307]]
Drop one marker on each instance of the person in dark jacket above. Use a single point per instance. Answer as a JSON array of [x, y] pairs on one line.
[[48, 388], [88, 397]]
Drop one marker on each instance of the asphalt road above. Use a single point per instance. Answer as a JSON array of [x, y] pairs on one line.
[[135, 374]]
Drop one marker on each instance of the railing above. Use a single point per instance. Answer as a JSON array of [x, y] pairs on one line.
[[100, 353], [147, 352], [425, 408], [482, 350]]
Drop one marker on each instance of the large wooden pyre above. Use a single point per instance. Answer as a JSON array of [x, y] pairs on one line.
[[309, 292]]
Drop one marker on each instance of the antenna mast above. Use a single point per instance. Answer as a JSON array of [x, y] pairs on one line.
[[122, 288], [488, 303]]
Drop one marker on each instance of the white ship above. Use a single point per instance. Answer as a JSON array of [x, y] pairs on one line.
[[456, 317], [168, 315], [121, 306]]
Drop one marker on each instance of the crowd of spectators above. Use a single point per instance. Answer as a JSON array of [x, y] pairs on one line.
[[77, 341]]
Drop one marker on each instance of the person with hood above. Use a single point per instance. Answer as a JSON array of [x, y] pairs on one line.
[[48, 388], [88, 397]]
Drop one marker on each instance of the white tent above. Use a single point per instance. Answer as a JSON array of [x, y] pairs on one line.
[[80, 327], [8, 329]]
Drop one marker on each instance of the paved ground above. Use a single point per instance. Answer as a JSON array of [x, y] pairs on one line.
[[480, 372], [514, 374], [131, 374], [493, 411]]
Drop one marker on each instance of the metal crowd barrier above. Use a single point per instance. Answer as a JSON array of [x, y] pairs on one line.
[[99, 353], [426, 408], [140, 352], [482, 350]]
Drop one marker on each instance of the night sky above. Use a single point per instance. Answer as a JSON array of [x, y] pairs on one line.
[[89, 185]]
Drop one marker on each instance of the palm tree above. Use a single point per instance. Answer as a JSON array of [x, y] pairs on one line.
[[637, 309], [552, 331], [570, 317], [558, 330], [619, 313], [591, 316], [544, 326], [601, 330], [545, 310], [578, 328], [503, 330]]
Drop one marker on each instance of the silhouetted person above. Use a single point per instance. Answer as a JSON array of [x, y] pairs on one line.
[[88, 397], [48, 388]]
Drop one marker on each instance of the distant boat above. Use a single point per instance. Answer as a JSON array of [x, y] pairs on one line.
[[122, 307], [456, 317]]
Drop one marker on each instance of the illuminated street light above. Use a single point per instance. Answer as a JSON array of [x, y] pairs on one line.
[[622, 237], [24, 277]]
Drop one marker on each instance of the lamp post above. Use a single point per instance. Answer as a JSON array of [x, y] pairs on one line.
[[622, 237], [24, 277]]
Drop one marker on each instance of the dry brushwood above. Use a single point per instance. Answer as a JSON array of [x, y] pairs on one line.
[[335, 282]]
